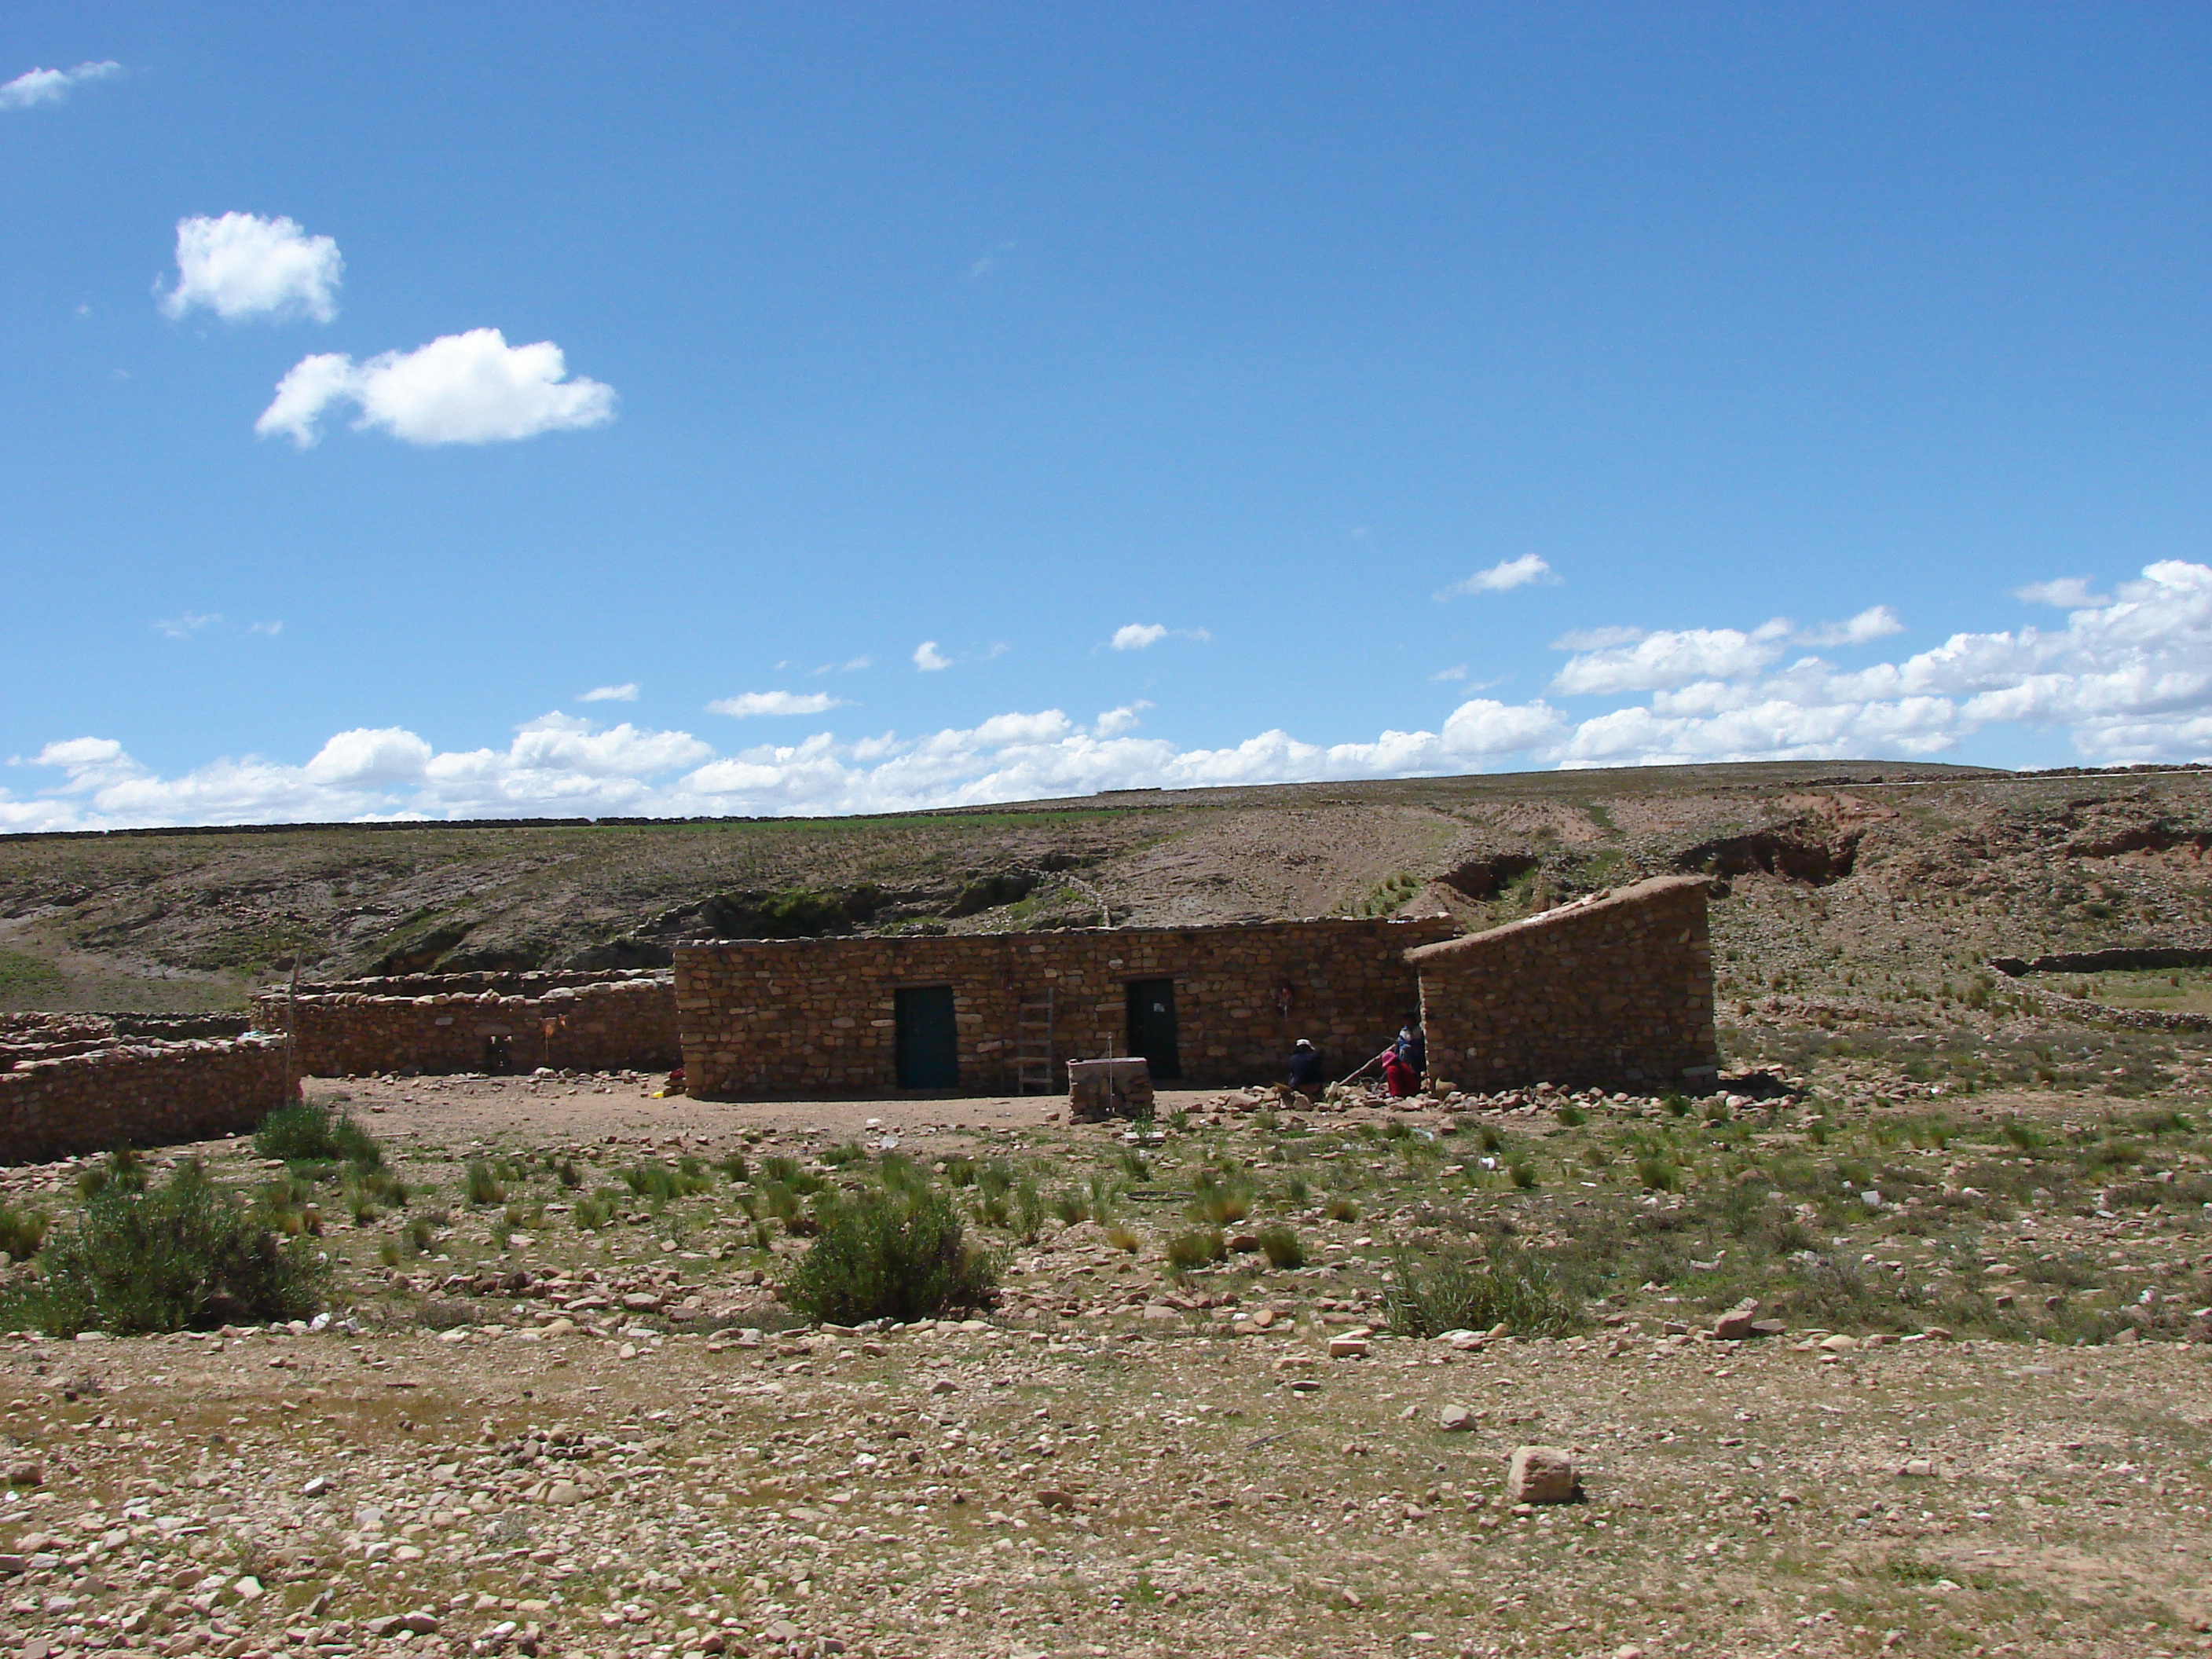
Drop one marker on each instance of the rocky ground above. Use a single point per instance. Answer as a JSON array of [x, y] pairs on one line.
[[1974, 1416]]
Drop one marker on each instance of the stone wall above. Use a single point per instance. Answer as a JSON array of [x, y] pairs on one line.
[[435, 1023], [148, 1094], [1616, 990], [791, 1018]]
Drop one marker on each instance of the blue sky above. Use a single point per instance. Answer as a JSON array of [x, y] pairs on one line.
[[1405, 389]]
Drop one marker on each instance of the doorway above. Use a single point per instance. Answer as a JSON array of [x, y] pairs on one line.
[[1152, 1026], [928, 1040]]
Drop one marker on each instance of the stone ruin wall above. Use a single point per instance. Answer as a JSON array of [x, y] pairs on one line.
[[70, 1084], [1615, 991], [769, 1019], [443, 1022]]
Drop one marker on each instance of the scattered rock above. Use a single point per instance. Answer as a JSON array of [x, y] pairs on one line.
[[1540, 1474], [1455, 1419]]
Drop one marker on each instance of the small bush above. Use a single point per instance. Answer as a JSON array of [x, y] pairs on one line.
[[595, 1211], [123, 1172], [1677, 1104], [734, 1169], [1125, 1238], [306, 1132], [483, 1187], [1489, 1139], [184, 1254], [1342, 1209], [1282, 1247], [1218, 1201], [1523, 1173], [570, 1177], [1429, 1295], [1658, 1174], [1200, 1248], [2025, 1136], [898, 1256], [837, 1156], [23, 1231], [660, 1182], [1071, 1206], [959, 1171], [1573, 1116]]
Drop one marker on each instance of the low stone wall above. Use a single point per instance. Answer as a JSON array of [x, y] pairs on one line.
[[140, 1095], [583, 1023], [1615, 990], [794, 1018], [2120, 958]]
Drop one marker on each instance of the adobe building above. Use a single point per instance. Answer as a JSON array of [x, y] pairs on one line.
[[1001, 1013], [1615, 990]]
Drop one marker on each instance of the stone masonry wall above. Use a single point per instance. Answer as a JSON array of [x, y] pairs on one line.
[[614, 1022], [814, 1017], [140, 1095], [1616, 991]]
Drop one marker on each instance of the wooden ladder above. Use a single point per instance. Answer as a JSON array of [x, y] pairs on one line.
[[1033, 1047]]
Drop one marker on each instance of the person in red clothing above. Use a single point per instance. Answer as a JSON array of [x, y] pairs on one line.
[[1399, 1079]]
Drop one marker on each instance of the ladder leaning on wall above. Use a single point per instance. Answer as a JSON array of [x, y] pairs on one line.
[[1033, 1047]]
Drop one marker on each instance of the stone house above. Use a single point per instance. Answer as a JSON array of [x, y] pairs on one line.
[[1001, 1013]]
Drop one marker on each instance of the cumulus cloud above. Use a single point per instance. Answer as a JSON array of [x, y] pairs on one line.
[[1877, 621], [625, 693], [928, 658], [469, 388], [749, 704], [1142, 636], [2065, 593], [46, 86], [1503, 576], [2129, 679], [1671, 657], [242, 267]]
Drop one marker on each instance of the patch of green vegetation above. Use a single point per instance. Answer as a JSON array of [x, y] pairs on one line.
[[896, 1254], [22, 973]]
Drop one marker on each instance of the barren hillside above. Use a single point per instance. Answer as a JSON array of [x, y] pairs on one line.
[[1852, 885]]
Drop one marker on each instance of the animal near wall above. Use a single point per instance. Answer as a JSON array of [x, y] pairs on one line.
[[1211, 1006], [1615, 990], [432, 1022]]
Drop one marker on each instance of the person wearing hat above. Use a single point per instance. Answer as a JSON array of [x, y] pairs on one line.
[[1305, 1068]]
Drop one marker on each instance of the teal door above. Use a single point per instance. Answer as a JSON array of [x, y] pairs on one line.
[[1152, 1026], [928, 1042]]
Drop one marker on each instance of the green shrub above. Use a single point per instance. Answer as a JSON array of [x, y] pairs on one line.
[[1342, 1209], [23, 1231], [1200, 1248], [1429, 1295], [1282, 1247], [1220, 1202], [181, 1256], [1071, 1206], [1523, 1173], [959, 1171], [306, 1132], [837, 1156], [2025, 1136], [660, 1182], [123, 1172], [483, 1187], [733, 1168], [570, 1177], [1677, 1104], [1658, 1174], [897, 1256], [1573, 1115]]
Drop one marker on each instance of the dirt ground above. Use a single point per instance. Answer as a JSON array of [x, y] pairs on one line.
[[520, 1434]]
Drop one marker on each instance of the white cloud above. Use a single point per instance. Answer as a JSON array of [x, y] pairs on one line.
[[750, 703], [1877, 621], [45, 86], [1137, 636], [1671, 657], [1506, 575], [1596, 639], [270, 629], [2066, 594], [928, 658], [469, 388], [241, 267], [1115, 721], [185, 625], [2127, 680], [625, 693], [850, 666]]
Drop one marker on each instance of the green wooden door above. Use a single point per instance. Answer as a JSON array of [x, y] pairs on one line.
[[928, 1040]]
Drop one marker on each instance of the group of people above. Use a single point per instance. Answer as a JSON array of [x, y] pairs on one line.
[[1405, 1062]]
